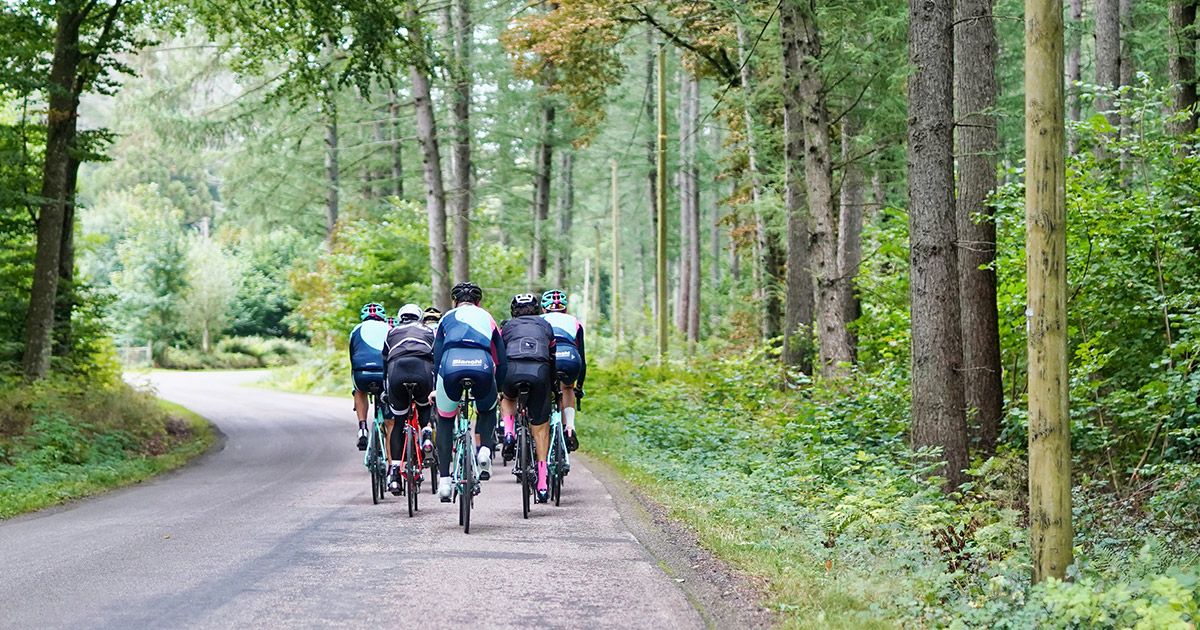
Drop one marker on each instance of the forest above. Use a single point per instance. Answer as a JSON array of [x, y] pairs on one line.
[[842, 264]]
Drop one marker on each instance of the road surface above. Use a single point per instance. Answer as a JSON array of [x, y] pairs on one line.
[[277, 529]]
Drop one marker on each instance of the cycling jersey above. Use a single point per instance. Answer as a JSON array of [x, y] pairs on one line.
[[366, 345], [469, 327], [409, 340], [529, 338], [569, 352]]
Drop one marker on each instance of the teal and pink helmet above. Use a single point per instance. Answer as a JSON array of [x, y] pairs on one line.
[[554, 300], [374, 310]]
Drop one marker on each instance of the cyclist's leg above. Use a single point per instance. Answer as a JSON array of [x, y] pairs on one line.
[[448, 394], [486, 398]]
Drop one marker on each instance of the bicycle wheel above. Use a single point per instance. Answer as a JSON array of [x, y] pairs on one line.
[[524, 463], [468, 494], [557, 481], [410, 467]]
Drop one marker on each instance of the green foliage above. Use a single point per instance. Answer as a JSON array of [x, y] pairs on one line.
[[68, 438], [815, 489]]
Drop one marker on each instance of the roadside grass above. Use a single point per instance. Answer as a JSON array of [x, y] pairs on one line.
[[65, 453], [326, 374], [813, 490]]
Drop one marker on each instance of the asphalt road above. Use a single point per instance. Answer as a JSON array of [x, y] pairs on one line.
[[277, 529]]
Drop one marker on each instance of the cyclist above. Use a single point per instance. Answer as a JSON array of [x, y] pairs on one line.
[[569, 357], [467, 345], [431, 317], [366, 362], [408, 358], [529, 343]]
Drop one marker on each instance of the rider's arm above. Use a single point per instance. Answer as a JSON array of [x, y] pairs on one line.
[[582, 357], [439, 338], [501, 354]]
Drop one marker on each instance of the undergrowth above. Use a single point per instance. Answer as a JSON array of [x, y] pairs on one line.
[[814, 489], [66, 438]]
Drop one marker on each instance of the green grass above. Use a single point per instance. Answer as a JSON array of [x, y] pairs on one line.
[[46, 468]]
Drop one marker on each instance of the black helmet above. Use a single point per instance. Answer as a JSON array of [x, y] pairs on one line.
[[432, 315], [467, 292]]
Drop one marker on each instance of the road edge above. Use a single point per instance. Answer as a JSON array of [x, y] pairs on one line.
[[723, 596]]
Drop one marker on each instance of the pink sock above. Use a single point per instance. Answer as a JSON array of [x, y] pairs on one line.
[[510, 425], [541, 476]]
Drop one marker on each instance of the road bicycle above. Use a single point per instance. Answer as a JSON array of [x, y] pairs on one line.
[[412, 455], [462, 470], [375, 459], [526, 454], [559, 461]]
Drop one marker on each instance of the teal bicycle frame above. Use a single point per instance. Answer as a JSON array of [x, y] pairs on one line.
[[375, 459], [463, 475]]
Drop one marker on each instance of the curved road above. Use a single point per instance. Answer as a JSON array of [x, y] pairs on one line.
[[278, 529]]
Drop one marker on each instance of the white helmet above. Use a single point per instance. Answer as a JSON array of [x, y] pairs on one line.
[[409, 313]]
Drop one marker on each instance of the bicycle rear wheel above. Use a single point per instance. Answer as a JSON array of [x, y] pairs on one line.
[[523, 463], [560, 455], [468, 493], [410, 469]]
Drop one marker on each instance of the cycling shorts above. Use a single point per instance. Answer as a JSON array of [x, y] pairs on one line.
[[368, 381], [568, 362], [458, 365], [537, 375], [401, 370]]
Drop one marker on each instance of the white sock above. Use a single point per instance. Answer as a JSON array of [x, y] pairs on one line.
[[569, 418], [485, 454]]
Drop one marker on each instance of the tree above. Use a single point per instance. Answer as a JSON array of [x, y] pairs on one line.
[[461, 73], [937, 387], [1108, 57], [1181, 64], [431, 163], [87, 38], [798, 310], [977, 136], [1046, 263], [213, 280]]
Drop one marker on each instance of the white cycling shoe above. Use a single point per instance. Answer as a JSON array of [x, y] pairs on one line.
[[445, 486], [485, 463]]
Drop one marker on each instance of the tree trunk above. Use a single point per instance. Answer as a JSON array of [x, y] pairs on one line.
[[1046, 260], [60, 139], [692, 175], [65, 300], [332, 177], [462, 140], [651, 158], [798, 314], [850, 225], [1108, 57], [1181, 64], [431, 163], [937, 388], [683, 178], [1125, 18], [978, 143], [397, 152], [834, 346], [766, 255], [566, 208], [1074, 74], [541, 194]]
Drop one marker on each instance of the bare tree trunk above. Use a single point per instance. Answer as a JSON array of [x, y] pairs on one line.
[[1108, 57], [1074, 73], [541, 194], [60, 140], [682, 177], [834, 346], [332, 176], [65, 300], [397, 149], [766, 256], [1046, 259], [566, 208], [978, 143], [1181, 64], [937, 388], [850, 225], [431, 163], [462, 140], [798, 313], [651, 158], [1125, 17], [693, 177]]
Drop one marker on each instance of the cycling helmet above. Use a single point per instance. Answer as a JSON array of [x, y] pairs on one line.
[[374, 310], [524, 304], [467, 292], [408, 313], [432, 315], [391, 322], [554, 300]]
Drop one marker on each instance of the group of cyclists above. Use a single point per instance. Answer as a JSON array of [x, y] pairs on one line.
[[538, 350]]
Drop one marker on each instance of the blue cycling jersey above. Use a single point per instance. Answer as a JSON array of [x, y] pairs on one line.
[[366, 345]]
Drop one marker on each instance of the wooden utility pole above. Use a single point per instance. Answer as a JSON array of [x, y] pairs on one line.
[[1046, 260], [616, 257], [661, 167]]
